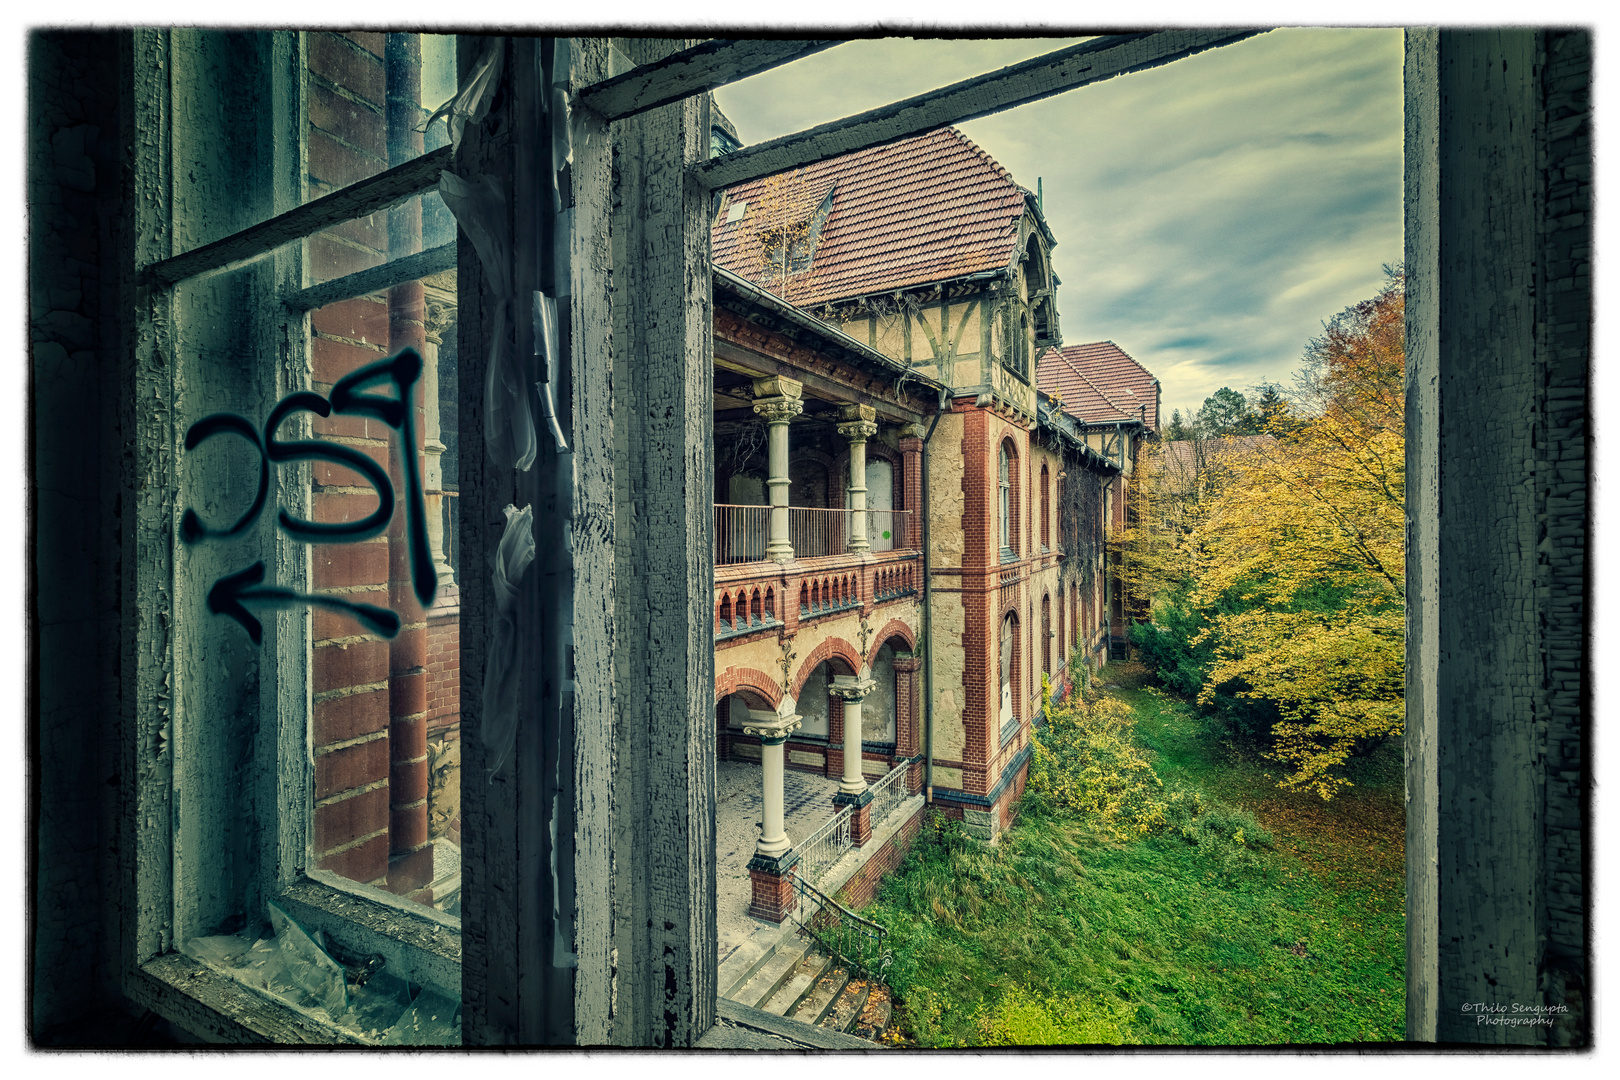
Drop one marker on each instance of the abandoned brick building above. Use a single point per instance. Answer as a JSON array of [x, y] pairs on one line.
[[228, 226]]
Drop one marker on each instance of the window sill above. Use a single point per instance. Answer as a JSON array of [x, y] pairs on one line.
[[1008, 555], [218, 1009], [418, 944]]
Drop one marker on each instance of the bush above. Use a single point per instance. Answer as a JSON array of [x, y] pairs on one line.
[[1166, 647], [1086, 763], [1025, 1018], [1231, 838]]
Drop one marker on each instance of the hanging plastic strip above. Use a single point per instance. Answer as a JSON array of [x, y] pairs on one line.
[[479, 208], [545, 350], [512, 558], [472, 100]]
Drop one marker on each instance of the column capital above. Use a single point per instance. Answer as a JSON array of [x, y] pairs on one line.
[[849, 411], [851, 687], [913, 431], [856, 431], [778, 409], [771, 727], [440, 317]]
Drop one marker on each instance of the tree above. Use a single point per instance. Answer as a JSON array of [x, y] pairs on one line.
[[1177, 430], [1225, 412], [1308, 540]]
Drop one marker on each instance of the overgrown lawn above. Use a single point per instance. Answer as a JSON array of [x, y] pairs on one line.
[[1267, 918]]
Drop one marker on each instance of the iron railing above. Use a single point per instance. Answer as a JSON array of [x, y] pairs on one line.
[[815, 531], [854, 941], [741, 533], [889, 793], [824, 847]]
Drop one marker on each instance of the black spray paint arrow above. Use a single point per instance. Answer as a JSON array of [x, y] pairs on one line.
[[232, 591]]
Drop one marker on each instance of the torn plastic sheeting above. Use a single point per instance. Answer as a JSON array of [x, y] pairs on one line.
[[545, 347], [479, 206], [431, 1020], [562, 146], [512, 558], [508, 424], [472, 99], [308, 965]]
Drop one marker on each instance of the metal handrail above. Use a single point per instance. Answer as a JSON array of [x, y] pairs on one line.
[[856, 941], [824, 847], [742, 531], [890, 793]]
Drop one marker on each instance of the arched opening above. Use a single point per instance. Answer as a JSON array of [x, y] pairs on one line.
[[1006, 480], [1046, 636], [878, 714], [1046, 508], [1009, 667]]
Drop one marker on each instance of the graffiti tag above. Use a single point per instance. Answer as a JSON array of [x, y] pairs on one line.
[[231, 593]]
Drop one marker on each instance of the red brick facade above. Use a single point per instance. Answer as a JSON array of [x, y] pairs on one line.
[[376, 703]]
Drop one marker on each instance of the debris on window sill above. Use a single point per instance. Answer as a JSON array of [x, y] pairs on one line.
[[295, 968]]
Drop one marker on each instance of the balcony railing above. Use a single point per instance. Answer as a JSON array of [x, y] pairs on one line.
[[890, 793], [819, 851], [741, 533]]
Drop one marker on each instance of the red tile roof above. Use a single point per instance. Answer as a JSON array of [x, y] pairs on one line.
[[1099, 383], [911, 213]]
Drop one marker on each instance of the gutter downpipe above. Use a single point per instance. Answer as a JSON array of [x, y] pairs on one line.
[[928, 611]]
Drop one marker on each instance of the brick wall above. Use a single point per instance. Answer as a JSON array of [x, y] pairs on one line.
[[376, 703], [862, 887]]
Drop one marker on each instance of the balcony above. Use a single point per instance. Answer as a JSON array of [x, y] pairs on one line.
[[821, 577]]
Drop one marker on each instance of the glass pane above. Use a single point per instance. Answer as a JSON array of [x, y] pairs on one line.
[[387, 710], [369, 96]]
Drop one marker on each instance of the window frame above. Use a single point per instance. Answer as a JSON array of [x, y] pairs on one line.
[[418, 943]]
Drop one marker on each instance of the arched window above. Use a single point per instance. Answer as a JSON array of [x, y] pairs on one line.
[[1008, 501], [1009, 664], [1046, 636], [1046, 509], [1062, 652]]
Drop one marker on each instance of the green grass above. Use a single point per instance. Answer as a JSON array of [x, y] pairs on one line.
[[1162, 940]]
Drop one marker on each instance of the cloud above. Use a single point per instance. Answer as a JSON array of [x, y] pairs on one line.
[[1210, 214]]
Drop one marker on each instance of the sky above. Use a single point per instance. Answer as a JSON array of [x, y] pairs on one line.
[[1210, 214]]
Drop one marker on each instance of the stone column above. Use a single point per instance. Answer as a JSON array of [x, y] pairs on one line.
[[778, 399], [852, 690], [858, 425], [770, 871], [441, 317], [853, 789], [773, 731]]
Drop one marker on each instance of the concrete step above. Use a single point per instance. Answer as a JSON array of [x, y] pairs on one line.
[[741, 965], [845, 1011], [819, 1001], [880, 1013], [799, 982], [773, 972]]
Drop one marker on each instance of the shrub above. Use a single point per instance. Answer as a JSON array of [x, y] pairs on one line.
[[1086, 762], [1025, 1018], [1231, 838]]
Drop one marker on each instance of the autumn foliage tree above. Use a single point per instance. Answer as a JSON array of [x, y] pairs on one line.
[[1297, 562]]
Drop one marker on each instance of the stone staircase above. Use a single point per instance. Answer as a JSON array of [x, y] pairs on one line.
[[798, 981]]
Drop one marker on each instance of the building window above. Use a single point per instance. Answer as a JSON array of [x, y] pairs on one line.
[[301, 784], [1046, 636], [1009, 669], [1046, 509], [1008, 503]]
